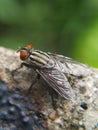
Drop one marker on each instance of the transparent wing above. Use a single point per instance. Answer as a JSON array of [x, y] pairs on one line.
[[58, 81], [70, 66]]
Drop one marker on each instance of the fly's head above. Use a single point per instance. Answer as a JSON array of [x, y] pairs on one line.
[[25, 52]]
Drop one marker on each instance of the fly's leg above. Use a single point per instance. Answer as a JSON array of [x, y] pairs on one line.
[[74, 76], [28, 66], [53, 101], [52, 94], [34, 82], [21, 66]]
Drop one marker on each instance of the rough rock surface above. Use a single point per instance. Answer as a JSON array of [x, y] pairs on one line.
[[79, 114]]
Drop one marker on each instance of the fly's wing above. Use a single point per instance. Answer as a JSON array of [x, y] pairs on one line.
[[58, 81], [70, 66]]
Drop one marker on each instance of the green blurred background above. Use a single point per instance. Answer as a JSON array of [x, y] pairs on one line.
[[68, 27]]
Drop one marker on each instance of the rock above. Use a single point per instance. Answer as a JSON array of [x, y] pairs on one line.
[[78, 114]]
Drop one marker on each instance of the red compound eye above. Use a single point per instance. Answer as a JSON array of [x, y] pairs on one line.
[[25, 51], [23, 54], [28, 46]]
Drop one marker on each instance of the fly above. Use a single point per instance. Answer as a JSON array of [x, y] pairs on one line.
[[53, 68]]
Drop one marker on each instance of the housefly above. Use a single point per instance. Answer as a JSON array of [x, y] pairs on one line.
[[54, 69]]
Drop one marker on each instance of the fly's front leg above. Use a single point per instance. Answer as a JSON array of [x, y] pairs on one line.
[[21, 66], [29, 66]]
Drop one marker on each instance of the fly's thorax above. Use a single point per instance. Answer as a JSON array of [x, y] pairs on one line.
[[40, 59]]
